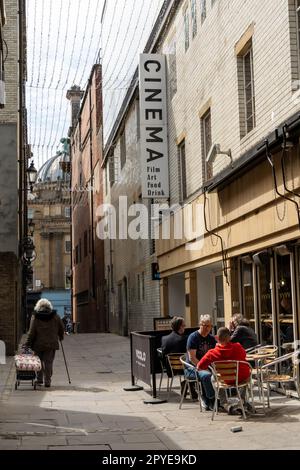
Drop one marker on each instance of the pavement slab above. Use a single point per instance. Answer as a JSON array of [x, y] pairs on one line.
[[95, 413]]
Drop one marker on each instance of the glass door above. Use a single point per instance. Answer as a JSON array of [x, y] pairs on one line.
[[219, 289], [265, 283], [284, 299], [249, 297]]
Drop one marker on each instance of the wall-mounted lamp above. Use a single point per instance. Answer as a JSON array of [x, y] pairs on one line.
[[28, 247], [31, 226], [31, 175], [216, 150], [261, 258], [283, 250]]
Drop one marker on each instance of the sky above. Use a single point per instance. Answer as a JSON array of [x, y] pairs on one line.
[[64, 38]]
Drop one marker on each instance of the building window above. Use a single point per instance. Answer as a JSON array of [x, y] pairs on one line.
[[85, 244], [138, 288], [298, 32], [123, 149], [194, 17], [182, 170], [246, 90], [106, 178], [203, 10], [152, 225], [186, 31], [67, 212], [206, 143], [138, 120], [67, 278], [143, 286], [111, 164], [172, 69], [68, 246], [80, 251]]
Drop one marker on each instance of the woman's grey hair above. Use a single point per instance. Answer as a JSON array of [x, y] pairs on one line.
[[42, 305], [205, 319]]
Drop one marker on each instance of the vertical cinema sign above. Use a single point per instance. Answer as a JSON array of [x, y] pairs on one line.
[[153, 121]]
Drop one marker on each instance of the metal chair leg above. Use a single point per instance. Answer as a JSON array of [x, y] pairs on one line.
[[183, 394], [170, 388], [161, 377], [241, 403], [199, 395], [215, 408]]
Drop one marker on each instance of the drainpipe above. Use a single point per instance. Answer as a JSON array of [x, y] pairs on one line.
[[91, 193], [22, 209]]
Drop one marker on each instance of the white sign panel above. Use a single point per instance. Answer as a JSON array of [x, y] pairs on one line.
[[154, 127]]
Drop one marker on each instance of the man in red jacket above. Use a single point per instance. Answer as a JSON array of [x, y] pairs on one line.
[[226, 351]]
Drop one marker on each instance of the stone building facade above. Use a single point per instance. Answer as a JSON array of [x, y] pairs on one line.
[[49, 214], [87, 195], [13, 153]]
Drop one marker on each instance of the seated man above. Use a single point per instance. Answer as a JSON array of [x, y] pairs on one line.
[[225, 350], [175, 342], [198, 343], [241, 332]]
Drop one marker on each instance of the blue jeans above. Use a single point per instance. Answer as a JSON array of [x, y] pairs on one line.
[[205, 379]]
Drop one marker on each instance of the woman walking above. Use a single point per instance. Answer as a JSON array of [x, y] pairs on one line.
[[46, 329]]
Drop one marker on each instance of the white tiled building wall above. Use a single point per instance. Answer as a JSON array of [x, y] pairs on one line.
[[131, 258], [9, 114], [207, 73]]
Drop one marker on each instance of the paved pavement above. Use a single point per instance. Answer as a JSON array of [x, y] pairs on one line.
[[94, 412]]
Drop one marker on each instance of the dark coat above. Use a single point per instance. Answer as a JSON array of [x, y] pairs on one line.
[[245, 336], [46, 328], [173, 343]]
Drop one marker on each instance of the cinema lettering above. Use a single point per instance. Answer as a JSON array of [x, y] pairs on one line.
[[153, 122]]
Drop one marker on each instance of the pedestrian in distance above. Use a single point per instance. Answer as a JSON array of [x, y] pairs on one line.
[[45, 331]]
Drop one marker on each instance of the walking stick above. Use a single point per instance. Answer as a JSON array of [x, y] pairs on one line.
[[62, 348]]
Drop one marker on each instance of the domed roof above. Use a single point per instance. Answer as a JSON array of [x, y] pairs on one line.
[[51, 171]]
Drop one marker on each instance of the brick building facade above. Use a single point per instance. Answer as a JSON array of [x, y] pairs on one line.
[[87, 195], [13, 138]]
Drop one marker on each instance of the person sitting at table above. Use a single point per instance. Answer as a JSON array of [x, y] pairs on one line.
[[175, 342], [241, 332], [198, 343], [225, 350]]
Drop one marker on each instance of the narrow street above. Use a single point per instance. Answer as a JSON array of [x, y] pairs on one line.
[[95, 413]]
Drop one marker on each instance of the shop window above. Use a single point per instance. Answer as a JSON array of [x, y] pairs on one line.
[[248, 290]]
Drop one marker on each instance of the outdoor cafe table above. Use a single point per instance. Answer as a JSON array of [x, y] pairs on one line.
[[259, 361]]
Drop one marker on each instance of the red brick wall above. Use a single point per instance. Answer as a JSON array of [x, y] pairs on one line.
[[90, 311], [10, 308]]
